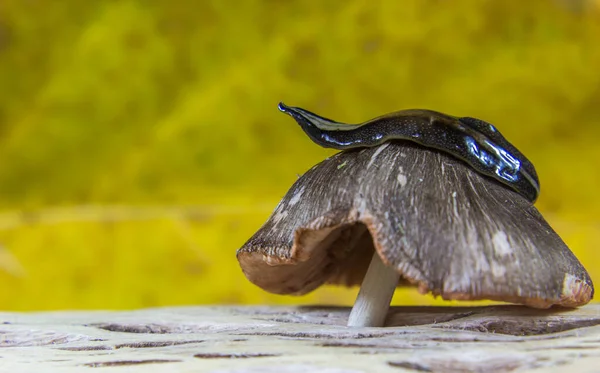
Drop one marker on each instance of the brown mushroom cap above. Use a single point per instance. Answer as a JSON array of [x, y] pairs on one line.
[[443, 227]]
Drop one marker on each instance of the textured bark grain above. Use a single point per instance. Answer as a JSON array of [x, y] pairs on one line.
[[302, 339]]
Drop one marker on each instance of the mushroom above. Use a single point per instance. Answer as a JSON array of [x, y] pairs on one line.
[[415, 198]]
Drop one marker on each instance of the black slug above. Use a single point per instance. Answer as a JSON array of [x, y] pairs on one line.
[[476, 142]]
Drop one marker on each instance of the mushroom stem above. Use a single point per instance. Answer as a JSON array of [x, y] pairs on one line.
[[376, 291]]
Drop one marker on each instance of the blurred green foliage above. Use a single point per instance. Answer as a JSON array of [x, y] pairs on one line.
[[114, 113]]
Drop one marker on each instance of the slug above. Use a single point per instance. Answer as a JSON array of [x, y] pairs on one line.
[[474, 141]]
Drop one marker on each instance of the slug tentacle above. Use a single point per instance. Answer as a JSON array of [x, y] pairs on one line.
[[474, 141]]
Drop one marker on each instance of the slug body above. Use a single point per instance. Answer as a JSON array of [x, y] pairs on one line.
[[474, 141]]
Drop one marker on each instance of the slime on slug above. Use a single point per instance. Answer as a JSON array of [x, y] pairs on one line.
[[476, 142]]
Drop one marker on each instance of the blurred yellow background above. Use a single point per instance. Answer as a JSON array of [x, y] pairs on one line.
[[141, 144]]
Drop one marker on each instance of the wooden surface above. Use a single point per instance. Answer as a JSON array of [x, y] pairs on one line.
[[302, 339]]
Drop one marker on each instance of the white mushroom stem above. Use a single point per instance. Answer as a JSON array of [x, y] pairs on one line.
[[376, 291]]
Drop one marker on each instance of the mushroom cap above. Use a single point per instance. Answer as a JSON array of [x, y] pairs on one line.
[[444, 227]]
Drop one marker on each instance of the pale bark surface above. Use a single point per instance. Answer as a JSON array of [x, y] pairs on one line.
[[302, 339]]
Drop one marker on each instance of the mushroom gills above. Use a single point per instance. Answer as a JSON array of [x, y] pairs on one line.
[[474, 141]]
